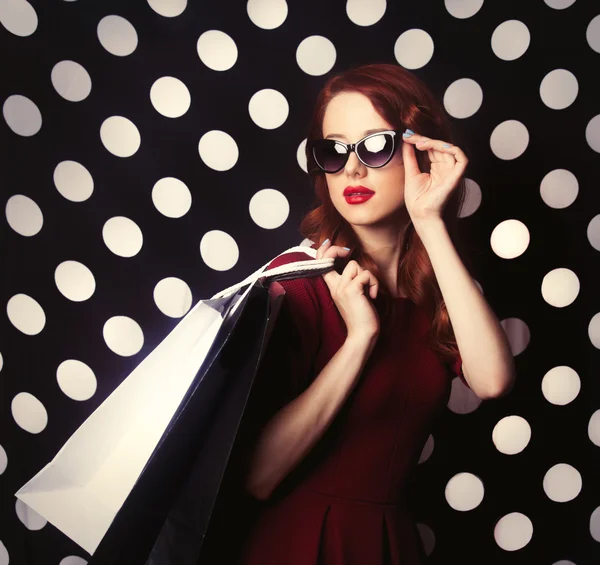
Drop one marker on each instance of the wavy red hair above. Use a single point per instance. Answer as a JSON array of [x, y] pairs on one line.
[[402, 99]]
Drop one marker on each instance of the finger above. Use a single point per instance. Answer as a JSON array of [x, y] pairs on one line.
[[447, 149], [325, 245], [411, 167], [366, 278]]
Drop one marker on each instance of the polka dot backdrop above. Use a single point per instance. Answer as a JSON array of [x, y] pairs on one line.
[[153, 155]]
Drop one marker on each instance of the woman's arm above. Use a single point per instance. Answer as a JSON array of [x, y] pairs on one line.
[[483, 345], [294, 430]]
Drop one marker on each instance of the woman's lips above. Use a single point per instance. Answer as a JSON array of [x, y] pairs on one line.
[[358, 199]]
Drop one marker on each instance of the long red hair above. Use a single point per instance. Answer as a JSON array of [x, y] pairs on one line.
[[404, 101]]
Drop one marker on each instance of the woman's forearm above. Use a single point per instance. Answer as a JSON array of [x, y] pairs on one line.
[[295, 429]]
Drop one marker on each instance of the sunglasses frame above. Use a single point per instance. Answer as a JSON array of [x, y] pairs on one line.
[[351, 147]]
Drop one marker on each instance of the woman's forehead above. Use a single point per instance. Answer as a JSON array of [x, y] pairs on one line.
[[349, 115]]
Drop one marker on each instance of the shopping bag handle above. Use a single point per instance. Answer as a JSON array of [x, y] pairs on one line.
[[301, 267]]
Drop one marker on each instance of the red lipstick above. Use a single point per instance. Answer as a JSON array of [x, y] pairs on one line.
[[357, 194]]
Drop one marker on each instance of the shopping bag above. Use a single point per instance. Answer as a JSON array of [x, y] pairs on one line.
[[90, 480]]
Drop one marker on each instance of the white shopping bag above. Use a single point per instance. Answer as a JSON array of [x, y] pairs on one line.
[[81, 490]]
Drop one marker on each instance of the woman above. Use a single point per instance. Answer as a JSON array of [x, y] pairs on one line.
[[361, 360]]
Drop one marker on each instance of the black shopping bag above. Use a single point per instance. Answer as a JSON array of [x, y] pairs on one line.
[[166, 517]]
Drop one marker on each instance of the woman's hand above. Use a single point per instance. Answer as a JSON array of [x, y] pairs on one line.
[[349, 292], [426, 194]]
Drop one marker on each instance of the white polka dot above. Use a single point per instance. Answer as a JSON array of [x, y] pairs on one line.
[[268, 108], [413, 49], [559, 4], [123, 335], [595, 524], [29, 413], [24, 215], [120, 136], [561, 385], [462, 399], [517, 333], [22, 115], [74, 281], [427, 449], [117, 35], [427, 537], [269, 208], [463, 9], [73, 181], [3, 460], [30, 518], [513, 531], [473, 197], [168, 9], [76, 380], [71, 81], [509, 139], [217, 50], [171, 197], [218, 150], [511, 435], [559, 188], [463, 98], [267, 14], [4, 557], [559, 89], [219, 250], [592, 133], [592, 34], [510, 40], [301, 156], [1, 362], [593, 232], [122, 236], [464, 492], [562, 483], [365, 12], [594, 330], [173, 297], [170, 97], [594, 428], [316, 55], [18, 17], [563, 562], [73, 560], [510, 239], [560, 287], [26, 314]]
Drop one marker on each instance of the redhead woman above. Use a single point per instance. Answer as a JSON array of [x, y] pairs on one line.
[[362, 358]]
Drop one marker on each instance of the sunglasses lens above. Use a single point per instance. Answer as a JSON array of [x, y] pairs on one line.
[[329, 155], [376, 150]]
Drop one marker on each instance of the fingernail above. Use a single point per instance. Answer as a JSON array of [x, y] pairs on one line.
[[446, 145], [347, 248], [322, 244], [408, 133]]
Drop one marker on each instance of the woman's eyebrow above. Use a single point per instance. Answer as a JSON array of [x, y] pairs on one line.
[[367, 132]]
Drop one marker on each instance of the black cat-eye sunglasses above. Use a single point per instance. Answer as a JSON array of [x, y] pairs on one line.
[[375, 150]]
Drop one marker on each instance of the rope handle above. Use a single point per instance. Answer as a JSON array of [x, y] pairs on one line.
[[295, 267]]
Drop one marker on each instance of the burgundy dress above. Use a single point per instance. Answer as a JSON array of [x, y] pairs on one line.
[[345, 502]]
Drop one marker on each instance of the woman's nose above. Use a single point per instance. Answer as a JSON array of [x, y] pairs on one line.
[[353, 164]]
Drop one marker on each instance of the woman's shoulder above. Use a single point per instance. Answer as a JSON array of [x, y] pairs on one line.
[[302, 291]]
